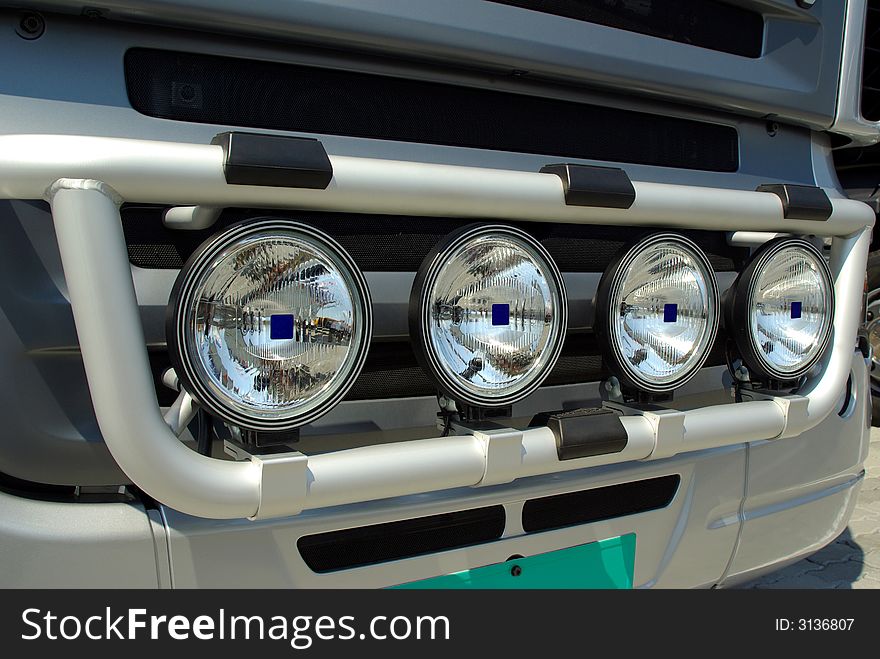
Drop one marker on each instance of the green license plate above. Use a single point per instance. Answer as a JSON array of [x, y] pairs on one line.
[[604, 564]]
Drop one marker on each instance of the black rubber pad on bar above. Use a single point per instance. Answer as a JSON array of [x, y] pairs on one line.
[[274, 160], [801, 202], [584, 432], [586, 185]]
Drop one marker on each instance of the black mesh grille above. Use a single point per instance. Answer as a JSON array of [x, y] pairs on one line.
[[595, 505], [391, 370], [398, 244], [367, 545], [705, 23], [871, 64], [257, 94], [383, 243]]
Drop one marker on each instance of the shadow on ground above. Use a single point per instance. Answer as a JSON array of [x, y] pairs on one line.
[[840, 565]]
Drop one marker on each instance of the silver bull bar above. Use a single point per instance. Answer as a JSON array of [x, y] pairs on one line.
[[85, 179]]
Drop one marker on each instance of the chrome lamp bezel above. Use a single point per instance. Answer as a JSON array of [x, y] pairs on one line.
[[419, 314], [191, 375]]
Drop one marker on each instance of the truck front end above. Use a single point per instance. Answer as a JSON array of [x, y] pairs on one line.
[[338, 293]]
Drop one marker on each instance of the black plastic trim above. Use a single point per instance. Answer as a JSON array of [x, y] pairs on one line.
[[599, 504], [584, 432], [36, 491], [801, 202], [274, 160], [863, 343], [588, 185], [399, 243], [314, 100], [391, 541]]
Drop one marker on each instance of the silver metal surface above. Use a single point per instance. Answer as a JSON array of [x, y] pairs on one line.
[[76, 545], [795, 79], [74, 71], [688, 544], [750, 238], [190, 218], [92, 247], [848, 119], [88, 90]]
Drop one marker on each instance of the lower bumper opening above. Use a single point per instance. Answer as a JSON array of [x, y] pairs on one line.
[[596, 505], [380, 543]]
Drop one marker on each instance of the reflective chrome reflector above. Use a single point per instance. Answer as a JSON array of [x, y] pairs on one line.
[[657, 313], [782, 310], [270, 324], [488, 315]]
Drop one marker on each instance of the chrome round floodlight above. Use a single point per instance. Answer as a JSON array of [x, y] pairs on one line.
[[488, 315], [269, 324], [657, 313], [780, 311]]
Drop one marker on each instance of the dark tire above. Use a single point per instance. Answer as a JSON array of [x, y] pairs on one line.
[[874, 331]]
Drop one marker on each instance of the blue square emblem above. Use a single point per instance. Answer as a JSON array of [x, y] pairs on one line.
[[501, 314], [281, 326]]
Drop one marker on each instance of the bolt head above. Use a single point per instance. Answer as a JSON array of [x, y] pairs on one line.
[[30, 25]]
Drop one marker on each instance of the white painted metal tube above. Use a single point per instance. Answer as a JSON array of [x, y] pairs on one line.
[[111, 338], [751, 238], [182, 411], [192, 174], [428, 465], [389, 470], [753, 420], [848, 264], [102, 295], [711, 427]]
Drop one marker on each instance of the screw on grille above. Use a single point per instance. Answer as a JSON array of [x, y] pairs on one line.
[[186, 94], [30, 25]]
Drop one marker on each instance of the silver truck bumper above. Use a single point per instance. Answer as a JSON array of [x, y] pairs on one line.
[[739, 511]]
